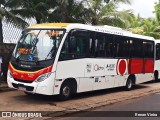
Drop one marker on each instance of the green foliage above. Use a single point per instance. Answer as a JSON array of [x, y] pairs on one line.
[[95, 12], [7, 14], [67, 11], [105, 12], [149, 26], [37, 9]]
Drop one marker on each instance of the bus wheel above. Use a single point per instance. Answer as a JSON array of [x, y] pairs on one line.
[[156, 76], [129, 84], [65, 91]]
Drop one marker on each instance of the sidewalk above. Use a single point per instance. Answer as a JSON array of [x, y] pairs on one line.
[[4, 87]]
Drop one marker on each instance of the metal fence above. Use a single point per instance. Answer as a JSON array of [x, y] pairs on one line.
[[11, 33]]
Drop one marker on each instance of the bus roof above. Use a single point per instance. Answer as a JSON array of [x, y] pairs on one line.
[[103, 29], [49, 25], [157, 41]]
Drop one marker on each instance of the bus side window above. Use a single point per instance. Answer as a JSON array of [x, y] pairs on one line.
[[158, 51], [122, 46], [72, 44], [136, 50], [92, 44], [100, 45], [109, 46], [81, 43], [75, 46], [64, 51], [148, 49]]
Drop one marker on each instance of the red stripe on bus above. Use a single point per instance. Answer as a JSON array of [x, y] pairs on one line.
[[135, 66], [149, 66], [28, 76]]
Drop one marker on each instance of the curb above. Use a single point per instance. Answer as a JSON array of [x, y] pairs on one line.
[[4, 87], [67, 112]]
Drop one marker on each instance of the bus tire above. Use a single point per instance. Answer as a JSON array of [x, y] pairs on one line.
[[65, 91], [156, 76], [129, 84]]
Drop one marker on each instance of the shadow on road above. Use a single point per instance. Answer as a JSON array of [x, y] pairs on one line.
[[38, 99], [105, 91], [152, 82]]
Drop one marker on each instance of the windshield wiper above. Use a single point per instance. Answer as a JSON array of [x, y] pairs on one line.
[[35, 41], [51, 51], [34, 47]]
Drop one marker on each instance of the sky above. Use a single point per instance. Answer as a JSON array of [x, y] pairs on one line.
[[144, 7]]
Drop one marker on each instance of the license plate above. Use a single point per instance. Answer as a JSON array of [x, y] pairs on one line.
[[22, 88]]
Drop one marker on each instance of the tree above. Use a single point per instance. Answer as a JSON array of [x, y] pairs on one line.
[[67, 11], [118, 18], [105, 12], [136, 25], [157, 12], [149, 26], [37, 9], [6, 14]]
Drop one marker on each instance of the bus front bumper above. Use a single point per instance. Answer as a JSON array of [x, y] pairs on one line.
[[44, 87]]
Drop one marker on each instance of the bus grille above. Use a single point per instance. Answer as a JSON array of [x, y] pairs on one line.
[[28, 88], [23, 81]]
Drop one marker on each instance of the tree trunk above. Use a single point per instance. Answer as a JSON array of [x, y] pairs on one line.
[[1, 32], [94, 21], [38, 20]]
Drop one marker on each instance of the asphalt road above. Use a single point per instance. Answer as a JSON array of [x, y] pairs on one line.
[[18, 101], [141, 106]]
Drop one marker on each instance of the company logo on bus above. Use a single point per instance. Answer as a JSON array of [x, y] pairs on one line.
[[110, 67], [122, 66], [89, 67], [97, 67], [26, 66]]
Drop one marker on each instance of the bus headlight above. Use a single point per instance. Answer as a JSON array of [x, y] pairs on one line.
[[43, 77], [9, 74]]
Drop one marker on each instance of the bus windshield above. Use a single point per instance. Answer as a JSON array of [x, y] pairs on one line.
[[38, 45]]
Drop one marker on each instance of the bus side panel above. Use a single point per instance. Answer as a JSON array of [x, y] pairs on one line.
[[119, 81], [157, 67], [149, 66], [135, 66], [85, 84], [70, 69], [141, 78]]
